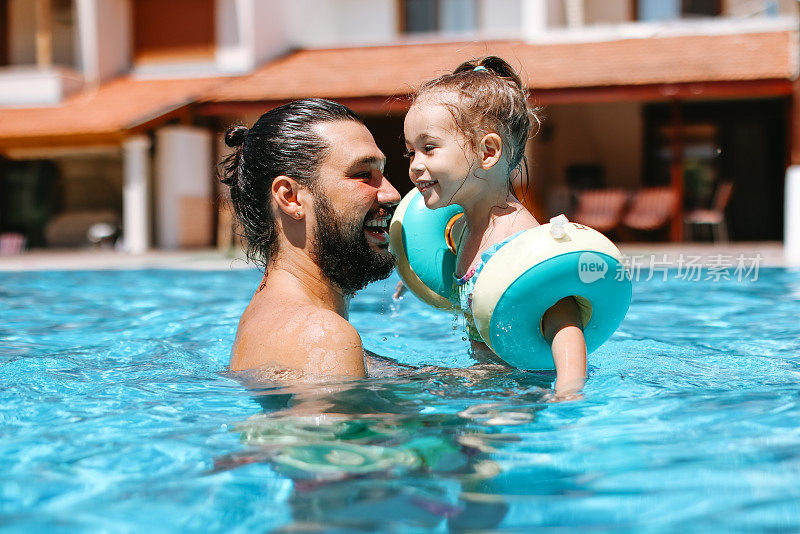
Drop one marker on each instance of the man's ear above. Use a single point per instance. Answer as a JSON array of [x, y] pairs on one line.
[[490, 150], [289, 196]]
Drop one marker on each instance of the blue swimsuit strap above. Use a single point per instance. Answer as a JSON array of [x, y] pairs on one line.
[[485, 255]]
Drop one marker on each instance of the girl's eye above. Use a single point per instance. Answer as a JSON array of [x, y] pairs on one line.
[[408, 154], [428, 148]]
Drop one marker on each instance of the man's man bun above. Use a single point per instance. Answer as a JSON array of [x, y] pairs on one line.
[[235, 135]]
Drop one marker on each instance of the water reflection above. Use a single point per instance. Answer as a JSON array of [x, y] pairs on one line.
[[410, 451]]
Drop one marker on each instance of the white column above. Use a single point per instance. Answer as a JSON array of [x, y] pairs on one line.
[[249, 32], [103, 38], [534, 18], [575, 14], [86, 11], [135, 205], [791, 216], [183, 176]]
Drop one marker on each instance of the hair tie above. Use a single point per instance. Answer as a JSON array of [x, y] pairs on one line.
[[480, 67]]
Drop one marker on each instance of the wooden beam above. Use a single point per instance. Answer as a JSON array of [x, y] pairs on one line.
[[67, 140], [44, 33], [676, 171], [663, 92]]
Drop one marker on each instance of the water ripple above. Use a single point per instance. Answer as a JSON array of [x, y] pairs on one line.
[[117, 415]]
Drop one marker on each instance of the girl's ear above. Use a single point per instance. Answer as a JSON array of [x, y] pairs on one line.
[[289, 196], [490, 150]]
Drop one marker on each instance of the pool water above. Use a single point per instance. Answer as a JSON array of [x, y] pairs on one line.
[[117, 414]]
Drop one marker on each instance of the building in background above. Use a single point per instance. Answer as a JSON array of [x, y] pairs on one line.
[[111, 110]]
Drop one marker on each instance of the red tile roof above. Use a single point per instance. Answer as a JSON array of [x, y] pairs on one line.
[[395, 70], [127, 104], [106, 112]]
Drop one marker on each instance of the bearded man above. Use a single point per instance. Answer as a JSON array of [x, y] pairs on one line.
[[308, 190]]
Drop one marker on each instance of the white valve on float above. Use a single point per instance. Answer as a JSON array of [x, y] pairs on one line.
[[557, 224]]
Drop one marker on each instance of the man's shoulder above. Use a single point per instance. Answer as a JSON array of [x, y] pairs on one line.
[[296, 336], [293, 317]]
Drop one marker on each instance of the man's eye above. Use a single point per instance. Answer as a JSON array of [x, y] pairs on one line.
[[366, 175]]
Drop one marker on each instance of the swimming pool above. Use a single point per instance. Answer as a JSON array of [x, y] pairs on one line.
[[117, 415]]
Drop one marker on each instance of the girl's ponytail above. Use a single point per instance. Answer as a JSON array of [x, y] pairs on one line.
[[493, 65]]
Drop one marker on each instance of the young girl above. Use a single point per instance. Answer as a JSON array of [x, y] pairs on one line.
[[465, 135]]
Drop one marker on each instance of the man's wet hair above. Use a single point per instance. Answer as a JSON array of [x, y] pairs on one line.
[[282, 142]]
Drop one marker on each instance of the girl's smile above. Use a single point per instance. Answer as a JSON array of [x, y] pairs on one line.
[[441, 158], [424, 185]]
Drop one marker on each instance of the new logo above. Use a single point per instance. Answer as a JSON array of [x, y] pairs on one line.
[[591, 267]]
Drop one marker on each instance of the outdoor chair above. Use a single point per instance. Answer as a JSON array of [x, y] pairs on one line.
[[652, 209], [714, 217], [601, 209]]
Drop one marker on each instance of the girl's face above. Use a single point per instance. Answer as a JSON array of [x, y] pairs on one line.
[[442, 159]]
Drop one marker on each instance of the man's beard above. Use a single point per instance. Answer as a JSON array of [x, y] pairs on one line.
[[342, 252]]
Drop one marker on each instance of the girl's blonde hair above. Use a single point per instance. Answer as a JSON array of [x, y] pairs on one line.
[[490, 98]]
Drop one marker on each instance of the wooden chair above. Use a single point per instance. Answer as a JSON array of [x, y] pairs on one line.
[[601, 209], [652, 209], [713, 217]]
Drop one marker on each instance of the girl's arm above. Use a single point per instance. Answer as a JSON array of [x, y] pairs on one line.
[[562, 328]]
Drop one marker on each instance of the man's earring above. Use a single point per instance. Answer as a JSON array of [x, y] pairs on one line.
[[298, 213]]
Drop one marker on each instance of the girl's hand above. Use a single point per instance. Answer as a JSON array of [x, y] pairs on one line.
[[563, 330], [399, 289]]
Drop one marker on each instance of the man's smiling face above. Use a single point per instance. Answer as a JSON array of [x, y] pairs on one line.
[[353, 204]]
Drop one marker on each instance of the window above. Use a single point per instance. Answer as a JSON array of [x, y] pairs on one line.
[[655, 10], [37, 33], [174, 29], [63, 33], [700, 8], [448, 16]]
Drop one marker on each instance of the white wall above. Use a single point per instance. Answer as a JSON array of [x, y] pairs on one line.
[[534, 18], [502, 18], [249, 32], [364, 21], [104, 37], [318, 23], [30, 86], [115, 22], [270, 40]]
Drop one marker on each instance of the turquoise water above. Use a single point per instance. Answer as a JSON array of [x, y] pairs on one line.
[[117, 415]]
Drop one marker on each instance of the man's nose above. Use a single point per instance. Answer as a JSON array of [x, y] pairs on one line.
[[387, 194]]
